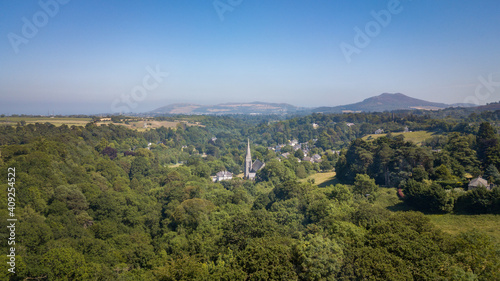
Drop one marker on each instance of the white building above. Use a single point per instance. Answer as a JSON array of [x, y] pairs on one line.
[[222, 176]]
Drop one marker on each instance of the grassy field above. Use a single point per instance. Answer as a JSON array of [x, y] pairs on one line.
[[144, 125], [417, 137], [449, 223], [388, 199], [57, 121], [454, 224], [322, 179]]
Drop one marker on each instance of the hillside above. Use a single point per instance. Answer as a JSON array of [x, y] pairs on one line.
[[227, 108], [380, 103], [385, 102]]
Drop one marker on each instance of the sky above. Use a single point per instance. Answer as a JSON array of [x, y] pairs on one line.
[[89, 57]]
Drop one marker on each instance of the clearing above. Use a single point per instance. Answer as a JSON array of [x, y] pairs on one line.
[[417, 137], [322, 179], [449, 223]]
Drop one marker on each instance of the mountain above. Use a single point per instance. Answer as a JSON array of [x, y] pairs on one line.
[[228, 108], [380, 103], [384, 102]]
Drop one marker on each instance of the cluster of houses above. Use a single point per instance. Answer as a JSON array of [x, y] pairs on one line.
[[316, 158], [381, 131], [251, 168]]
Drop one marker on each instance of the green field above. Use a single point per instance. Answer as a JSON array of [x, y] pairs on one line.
[[454, 224], [70, 121], [449, 223], [57, 121], [417, 137], [322, 179]]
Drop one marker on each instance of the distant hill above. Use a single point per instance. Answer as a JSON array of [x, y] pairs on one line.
[[228, 108], [386, 102], [489, 107], [380, 103]]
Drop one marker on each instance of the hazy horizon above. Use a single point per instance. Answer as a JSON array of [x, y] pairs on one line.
[[88, 57]]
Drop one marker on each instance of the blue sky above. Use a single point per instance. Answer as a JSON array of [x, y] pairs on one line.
[[97, 56]]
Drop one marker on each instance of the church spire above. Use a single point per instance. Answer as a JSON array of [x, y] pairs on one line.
[[248, 161]]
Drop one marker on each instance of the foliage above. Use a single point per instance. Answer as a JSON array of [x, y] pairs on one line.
[[98, 203]]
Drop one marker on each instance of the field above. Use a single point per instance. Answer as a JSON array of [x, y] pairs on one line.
[[417, 137], [322, 179], [145, 125], [454, 224], [449, 223], [57, 121], [70, 121]]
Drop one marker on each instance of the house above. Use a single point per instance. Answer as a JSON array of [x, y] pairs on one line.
[[350, 124], [316, 158], [222, 176], [379, 131], [477, 182], [286, 154], [315, 126], [251, 169]]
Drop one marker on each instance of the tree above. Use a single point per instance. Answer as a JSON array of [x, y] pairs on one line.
[[299, 154], [492, 174], [139, 167], [268, 259], [301, 172], [275, 172], [488, 145], [111, 152], [364, 185], [318, 258], [192, 212], [65, 264], [427, 197]]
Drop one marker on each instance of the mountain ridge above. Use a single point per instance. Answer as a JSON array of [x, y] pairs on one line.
[[380, 103], [385, 102]]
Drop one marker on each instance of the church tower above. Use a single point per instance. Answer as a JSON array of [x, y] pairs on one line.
[[248, 161]]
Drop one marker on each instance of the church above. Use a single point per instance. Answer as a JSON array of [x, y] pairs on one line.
[[252, 168]]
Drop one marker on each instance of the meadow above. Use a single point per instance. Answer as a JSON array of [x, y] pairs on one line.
[[138, 125], [417, 137], [449, 223], [57, 121]]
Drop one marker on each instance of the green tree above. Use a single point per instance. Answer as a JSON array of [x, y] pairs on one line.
[[488, 145], [318, 258], [492, 175], [65, 264], [275, 172], [364, 185], [268, 259]]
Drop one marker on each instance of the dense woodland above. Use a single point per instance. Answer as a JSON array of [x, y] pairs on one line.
[[107, 203]]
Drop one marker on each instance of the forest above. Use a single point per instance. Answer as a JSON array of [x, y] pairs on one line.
[[104, 202]]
